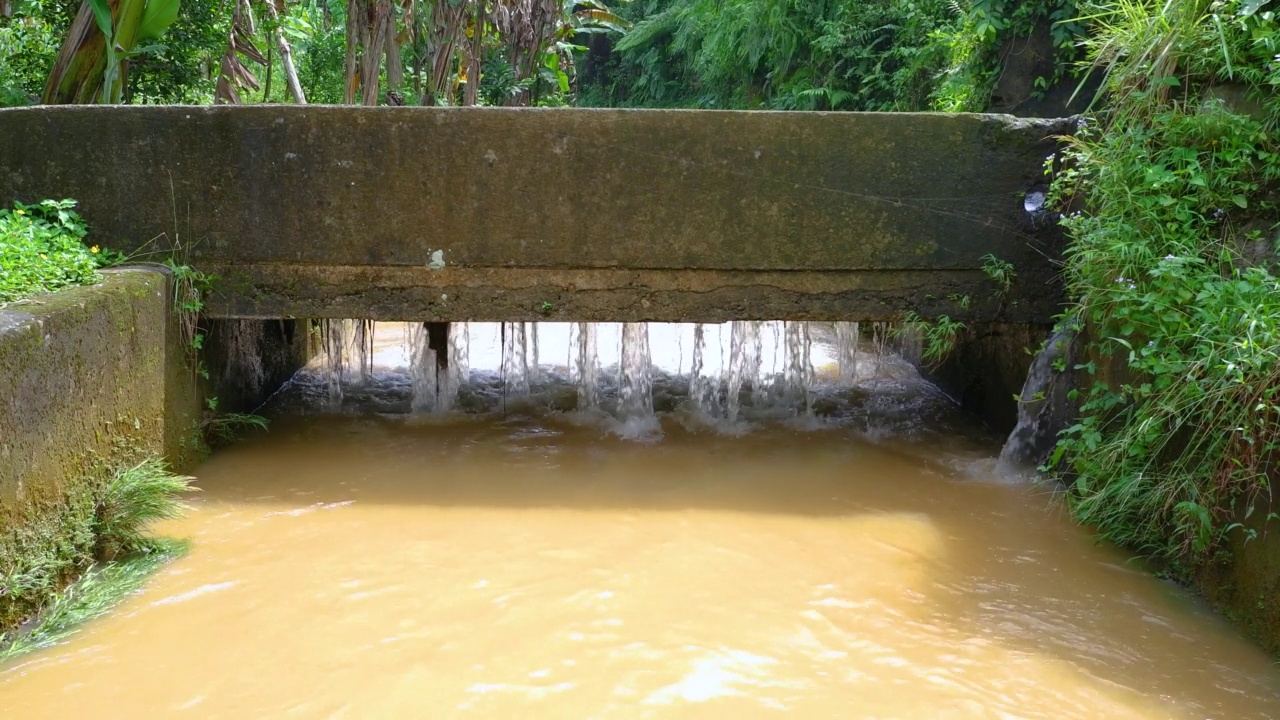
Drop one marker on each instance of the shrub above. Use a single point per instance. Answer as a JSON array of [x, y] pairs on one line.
[[41, 249], [1172, 185]]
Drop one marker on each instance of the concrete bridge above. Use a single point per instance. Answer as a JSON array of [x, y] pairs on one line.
[[439, 214]]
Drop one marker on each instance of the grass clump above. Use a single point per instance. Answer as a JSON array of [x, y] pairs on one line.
[[99, 536], [93, 595], [1173, 216], [134, 499], [42, 249]]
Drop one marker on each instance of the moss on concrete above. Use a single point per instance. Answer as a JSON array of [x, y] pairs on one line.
[[89, 380], [1243, 580]]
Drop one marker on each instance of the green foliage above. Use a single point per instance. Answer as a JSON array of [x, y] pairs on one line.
[[938, 336], [39, 556], [974, 46], [41, 249], [1172, 185], [781, 54], [133, 499], [316, 32], [29, 42], [93, 595], [1000, 272], [189, 288], [102, 516], [91, 67], [184, 69], [223, 428]]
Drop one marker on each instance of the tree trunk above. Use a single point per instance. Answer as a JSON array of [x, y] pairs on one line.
[[395, 70], [78, 73], [366, 38], [266, 85], [286, 57], [76, 76], [471, 96], [376, 36], [356, 11]]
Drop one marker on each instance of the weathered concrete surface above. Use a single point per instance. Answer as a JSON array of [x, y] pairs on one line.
[[248, 360], [90, 378], [519, 214], [987, 368], [1243, 583]]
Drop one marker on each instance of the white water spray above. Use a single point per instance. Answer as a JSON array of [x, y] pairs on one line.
[[635, 378]]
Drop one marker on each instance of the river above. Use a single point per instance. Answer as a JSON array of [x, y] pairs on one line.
[[862, 563]]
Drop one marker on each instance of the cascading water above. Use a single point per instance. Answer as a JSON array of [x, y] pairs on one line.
[[459, 353], [435, 384], [534, 362], [880, 333], [1042, 407], [585, 364], [362, 350], [744, 364], [720, 370], [847, 351], [798, 372], [635, 373], [703, 386], [515, 358], [424, 370], [333, 336]]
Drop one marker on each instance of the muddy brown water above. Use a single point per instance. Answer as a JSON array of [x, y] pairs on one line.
[[536, 565]]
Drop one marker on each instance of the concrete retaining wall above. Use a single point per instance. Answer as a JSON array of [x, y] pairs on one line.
[[90, 378]]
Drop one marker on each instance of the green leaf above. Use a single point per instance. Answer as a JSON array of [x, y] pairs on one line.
[[102, 15], [1240, 200], [157, 16]]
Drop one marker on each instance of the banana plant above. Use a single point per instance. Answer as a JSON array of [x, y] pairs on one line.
[[93, 62]]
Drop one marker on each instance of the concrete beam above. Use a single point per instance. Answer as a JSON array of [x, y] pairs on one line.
[[520, 214]]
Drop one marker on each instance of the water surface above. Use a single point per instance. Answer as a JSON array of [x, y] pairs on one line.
[[861, 563]]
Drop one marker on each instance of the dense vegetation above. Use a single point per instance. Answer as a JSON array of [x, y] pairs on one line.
[[250, 51], [781, 54], [1172, 197], [42, 249], [818, 54]]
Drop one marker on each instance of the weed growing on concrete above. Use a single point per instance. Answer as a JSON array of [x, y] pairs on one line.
[[939, 336], [189, 288], [104, 523], [221, 428], [1000, 272]]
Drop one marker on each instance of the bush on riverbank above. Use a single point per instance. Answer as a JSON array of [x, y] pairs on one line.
[[42, 249], [1172, 271]]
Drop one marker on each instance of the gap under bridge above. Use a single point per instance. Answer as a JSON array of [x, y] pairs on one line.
[[491, 214]]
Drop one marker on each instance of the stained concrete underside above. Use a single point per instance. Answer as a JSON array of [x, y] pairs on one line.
[[524, 214]]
